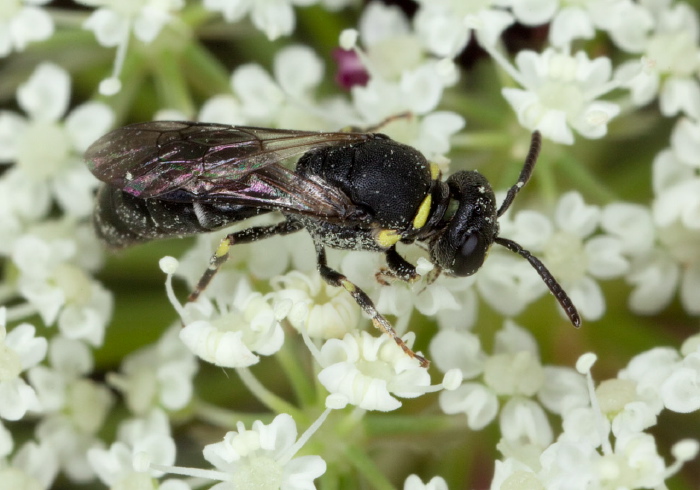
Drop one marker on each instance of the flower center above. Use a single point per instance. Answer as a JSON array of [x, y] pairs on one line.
[[565, 256], [10, 365], [74, 283], [8, 9], [563, 96], [43, 150], [128, 8], [674, 53], [259, 472]]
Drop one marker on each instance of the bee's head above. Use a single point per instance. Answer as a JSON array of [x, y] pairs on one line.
[[471, 225]]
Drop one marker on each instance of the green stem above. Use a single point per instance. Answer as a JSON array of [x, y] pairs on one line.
[[546, 180], [376, 425], [68, 19], [299, 379], [172, 88], [580, 173], [205, 73], [267, 398], [360, 460], [132, 76], [227, 419], [481, 140]]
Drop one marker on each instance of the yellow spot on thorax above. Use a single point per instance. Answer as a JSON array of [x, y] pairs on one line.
[[387, 237], [423, 212]]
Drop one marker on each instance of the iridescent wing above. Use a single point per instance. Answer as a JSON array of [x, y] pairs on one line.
[[175, 160]]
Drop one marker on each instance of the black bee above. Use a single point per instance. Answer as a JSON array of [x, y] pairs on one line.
[[350, 190]]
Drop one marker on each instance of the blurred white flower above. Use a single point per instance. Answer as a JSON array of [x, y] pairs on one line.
[[570, 251], [20, 350], [413, 482], [274, 17], [147, 437], [560, 93], [680, 391], [371, 372], [583, 453], [513, 371], [48, 151], [74, 407], [161, 374], [445, 26], [59, 288], [390, 44], [321, 310], [115, 19], [263, 457], [287, 100], [23, 22], [34, 466], [676, 216], [668, 38], [231, 330]]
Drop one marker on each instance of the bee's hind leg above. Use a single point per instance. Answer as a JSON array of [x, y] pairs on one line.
[[252, 234]]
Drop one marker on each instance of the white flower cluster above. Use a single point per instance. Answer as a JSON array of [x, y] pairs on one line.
[[583, 455]]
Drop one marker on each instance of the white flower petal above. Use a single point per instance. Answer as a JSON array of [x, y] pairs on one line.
[[451, 349], [149, 23], [274, 17], [534, 12], [570, 23], [109, 27], [29, 25], [443, 34], [298, 70], [523, 421], [422, 89], [380, 22], [23, 340], [12, 126], [668, 171], [654, 278], [563, 390], [88, 122], [476, 401], [680, 95], [300, 472], [222, 109], [588, 298], [221, 348], [605, 259], [685, 141], [491, 24], [631, 224], [681, 390], [16, 398], [46, 94], [260, 95], [575, 216]]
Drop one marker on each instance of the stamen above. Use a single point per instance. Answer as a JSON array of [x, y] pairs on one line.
[[112, 85], [169, 265], [583, 366]]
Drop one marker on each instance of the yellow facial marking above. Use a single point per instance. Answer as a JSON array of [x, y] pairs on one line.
[[386, 238], [423, 211], [434, 171], [350, 287]]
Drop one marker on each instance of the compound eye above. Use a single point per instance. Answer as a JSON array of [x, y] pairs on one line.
[[471, 255]]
